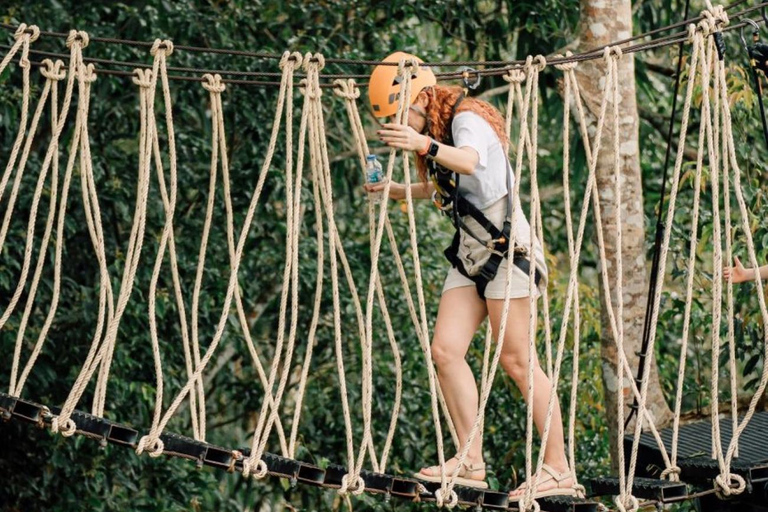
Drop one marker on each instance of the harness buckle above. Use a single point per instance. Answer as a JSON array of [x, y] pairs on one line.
[[439, 201]]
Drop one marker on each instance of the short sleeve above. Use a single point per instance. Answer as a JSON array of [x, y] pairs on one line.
[[469, 129]]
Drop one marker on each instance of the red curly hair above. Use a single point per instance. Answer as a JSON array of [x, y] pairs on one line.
[[441, 100]]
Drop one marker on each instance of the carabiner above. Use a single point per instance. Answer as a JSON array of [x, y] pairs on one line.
[[755, 35], [465, 78]]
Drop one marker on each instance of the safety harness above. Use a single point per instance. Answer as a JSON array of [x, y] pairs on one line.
[[455, 206]]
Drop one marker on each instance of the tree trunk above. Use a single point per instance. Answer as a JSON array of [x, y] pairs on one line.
[[603, 21]]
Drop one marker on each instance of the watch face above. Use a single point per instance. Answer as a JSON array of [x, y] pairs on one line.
[[433, 147]]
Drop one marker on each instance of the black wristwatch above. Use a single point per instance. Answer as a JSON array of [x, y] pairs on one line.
[[433, 147]]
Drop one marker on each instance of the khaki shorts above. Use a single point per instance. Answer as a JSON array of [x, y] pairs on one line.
[[474, 255]]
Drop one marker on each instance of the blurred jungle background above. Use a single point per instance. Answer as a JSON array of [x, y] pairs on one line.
[[41, 471]]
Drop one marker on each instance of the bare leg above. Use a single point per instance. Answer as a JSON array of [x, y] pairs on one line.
[[460, 313], [514, 360]]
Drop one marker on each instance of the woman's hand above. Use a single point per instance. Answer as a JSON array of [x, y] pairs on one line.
[[402, 137], [396, 190], [738, 273]]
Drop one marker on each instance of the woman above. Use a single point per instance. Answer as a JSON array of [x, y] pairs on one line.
[[480, 166]]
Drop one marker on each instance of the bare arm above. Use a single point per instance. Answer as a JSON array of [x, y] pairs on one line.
[[462, 160], [421, 190], [739, 273]]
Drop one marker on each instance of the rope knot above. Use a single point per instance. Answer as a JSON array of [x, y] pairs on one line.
[[143, 77], [691, 32], [533, 506], [515, 76], [166, 45], [626, 503], [294, 57], [727, 487], [612, 52], [67, 427], [153, 446], [540, 61], [566, 66], [444, 498], [346, 89], [713, 18], [313, 59], [213, 83], [30, 31], [89, 74], [672, 472], [53, 70], [357, 489], [320, 60], [256, 469], [79, 36], [408, 64]]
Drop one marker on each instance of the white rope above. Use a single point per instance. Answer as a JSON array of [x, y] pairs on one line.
[[528, 501], [405, 70], [215, 87], [673, 471], [152, 440], [23, 40], [24, 35], [735, 484], [95, 230], [53, 73], [531, 76], [30, 234], [312, 64], [348, 90], [167, 239], [569, 85]]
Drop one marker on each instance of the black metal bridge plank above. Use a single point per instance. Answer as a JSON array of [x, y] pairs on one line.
[[644, 488], [202, 453]]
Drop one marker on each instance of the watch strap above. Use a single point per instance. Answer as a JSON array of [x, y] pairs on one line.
[[433, 149]]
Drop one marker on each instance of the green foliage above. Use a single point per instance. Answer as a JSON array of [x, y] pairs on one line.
[[40, 470]]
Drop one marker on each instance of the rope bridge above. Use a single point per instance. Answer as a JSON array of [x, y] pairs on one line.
[[307, 162]]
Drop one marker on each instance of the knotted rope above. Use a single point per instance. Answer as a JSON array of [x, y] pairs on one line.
[[148, 84], [349, 92], [80, 145], [531, 76], [571, 89], [727, 483], [215, 87], [53, 73], [96, 232], [23, 39], [673, 471], [290, 279], [152, 440]]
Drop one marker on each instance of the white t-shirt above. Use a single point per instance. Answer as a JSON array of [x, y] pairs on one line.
[[489, 182]]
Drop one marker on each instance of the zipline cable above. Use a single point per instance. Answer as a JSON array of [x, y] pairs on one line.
[[502, 66], [593, 54]]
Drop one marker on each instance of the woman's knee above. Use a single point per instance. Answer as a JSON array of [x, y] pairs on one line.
[[516, 368], [444, 353]]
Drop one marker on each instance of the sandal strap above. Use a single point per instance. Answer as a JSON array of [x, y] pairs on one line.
[[465, 468], [473, 468], [556, 475]]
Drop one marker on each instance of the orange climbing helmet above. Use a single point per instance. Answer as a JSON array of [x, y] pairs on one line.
[[384, 84]]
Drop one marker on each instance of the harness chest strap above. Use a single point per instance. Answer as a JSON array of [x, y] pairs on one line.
[[448, 199]]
